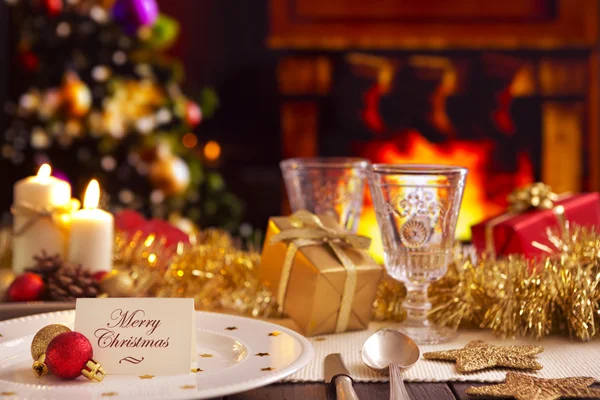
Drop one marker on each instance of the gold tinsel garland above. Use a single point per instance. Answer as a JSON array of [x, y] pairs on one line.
[[516, 296], [513, 296]]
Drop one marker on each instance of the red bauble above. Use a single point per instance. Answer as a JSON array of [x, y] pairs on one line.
[[193, 113], [53, 7], [29, 60], [99, 275], [26, 287], [67, 354]]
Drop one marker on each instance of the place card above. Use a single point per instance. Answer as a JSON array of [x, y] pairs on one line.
[[140, 336]]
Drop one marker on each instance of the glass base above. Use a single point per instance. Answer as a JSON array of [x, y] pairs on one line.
[[428, 333]]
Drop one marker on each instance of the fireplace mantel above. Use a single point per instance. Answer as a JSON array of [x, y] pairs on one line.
[[433, 24]]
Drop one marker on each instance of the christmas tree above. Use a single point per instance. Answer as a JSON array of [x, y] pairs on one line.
[[99, 98]]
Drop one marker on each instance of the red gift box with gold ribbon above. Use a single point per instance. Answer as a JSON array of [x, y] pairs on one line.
[[522, 229]]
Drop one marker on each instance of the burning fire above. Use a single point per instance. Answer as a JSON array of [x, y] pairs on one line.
[[476, 205]]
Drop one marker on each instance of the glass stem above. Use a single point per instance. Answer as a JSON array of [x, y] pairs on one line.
[[417, 305]]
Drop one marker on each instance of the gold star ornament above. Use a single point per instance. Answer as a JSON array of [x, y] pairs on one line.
[[478, 355], [146, 376], [525, 387], [274, 333], [205, 355]]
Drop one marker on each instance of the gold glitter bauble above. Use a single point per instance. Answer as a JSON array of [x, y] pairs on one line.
[[118, 284], [76, 96], [6, 278], [171, 175], [525, 387], [42, 339], [478, 355]]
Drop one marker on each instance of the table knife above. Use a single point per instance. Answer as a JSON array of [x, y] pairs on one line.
[[336, 372]]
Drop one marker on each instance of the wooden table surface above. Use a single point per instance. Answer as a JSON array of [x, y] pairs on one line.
[[365, 391]]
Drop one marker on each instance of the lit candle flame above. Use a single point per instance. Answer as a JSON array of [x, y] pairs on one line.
[[44, 172], [92, 195]]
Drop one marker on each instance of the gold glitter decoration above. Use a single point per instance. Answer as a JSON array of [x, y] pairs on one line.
[[267, 369], [478, 355], [205, 355], [146, 376], [44, 336], [525, 387], [262, 354], [231, 328], [320, 339], [274, 333], [8, 393], [109, 394], [196, 370], [516, 296], [187, 387]]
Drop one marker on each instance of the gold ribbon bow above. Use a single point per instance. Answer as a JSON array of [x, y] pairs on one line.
[[535, 196], [59, 215], [309, 230]]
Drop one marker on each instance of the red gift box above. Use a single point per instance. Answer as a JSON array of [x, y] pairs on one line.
[[515, 232]]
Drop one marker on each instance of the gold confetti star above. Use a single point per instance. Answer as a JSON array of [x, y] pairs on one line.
[[187, 387], [275, 333], [231, 328], [267, 369], [262, 354], [195, 370], [205, 355], [146, 376], [109, 394], [525, 387], [477, 355], [319, 339]]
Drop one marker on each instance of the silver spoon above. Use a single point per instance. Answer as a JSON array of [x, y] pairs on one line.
[[389, 352]]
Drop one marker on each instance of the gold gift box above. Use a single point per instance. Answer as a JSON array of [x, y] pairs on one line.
[[317, 279]]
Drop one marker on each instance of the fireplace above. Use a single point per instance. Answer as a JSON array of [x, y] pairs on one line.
[[509, 91]]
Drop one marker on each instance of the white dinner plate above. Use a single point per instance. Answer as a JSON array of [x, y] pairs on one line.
[[235, 354]]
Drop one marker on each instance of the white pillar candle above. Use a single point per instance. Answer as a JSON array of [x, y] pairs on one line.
[[35, 198], [92, 233]]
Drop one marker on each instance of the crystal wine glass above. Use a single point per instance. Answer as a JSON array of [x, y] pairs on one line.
[[417, 207], [327, 185]]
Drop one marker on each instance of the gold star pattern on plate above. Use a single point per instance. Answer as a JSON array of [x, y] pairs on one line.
[[195, 370], [267, 369], [146, 376], [478, 355], [109, 394], [187, 387], [274, 333], [526, 387], [205, 355], [262, 354]]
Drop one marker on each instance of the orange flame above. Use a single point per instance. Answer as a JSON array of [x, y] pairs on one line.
[[476, 204]]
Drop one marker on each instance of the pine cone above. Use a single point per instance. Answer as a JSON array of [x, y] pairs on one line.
[[46, 265], [71, 282]]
